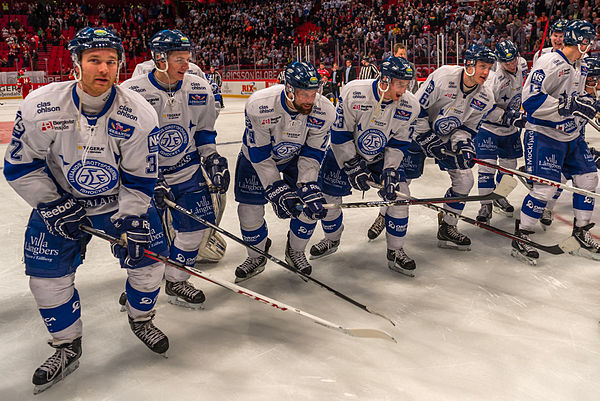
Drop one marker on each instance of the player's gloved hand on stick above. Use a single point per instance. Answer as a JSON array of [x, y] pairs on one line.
[[579, 105], [358, 173], [217, 169], [312, 197], [513, 118], [283, 199], [465, 153], [63, 217], [392, 178], [431, 144], [135, 231], [162, 191], [596, 155]]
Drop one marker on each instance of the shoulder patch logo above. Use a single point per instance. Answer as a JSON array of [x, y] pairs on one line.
[[314, 122], [197, 99], [119, 130], [402, 115]]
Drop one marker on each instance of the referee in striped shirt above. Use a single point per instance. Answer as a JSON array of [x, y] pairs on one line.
[[368, 70]]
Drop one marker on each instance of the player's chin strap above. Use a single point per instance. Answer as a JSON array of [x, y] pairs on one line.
[[467, 65], [380, 82], [289, 89], [158, 57], [587, 48]]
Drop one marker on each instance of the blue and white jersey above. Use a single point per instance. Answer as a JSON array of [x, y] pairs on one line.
[[451, 113], [506, 88], [539, 53], [551, 77], [274, 135], [360, 129], [186, 123], [110, 163]]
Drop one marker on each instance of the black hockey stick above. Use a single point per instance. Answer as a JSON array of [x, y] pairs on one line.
[[272, 258], [365, 333], [568, 245]]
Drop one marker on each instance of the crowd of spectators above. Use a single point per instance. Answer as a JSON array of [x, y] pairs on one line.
[[259, 34]]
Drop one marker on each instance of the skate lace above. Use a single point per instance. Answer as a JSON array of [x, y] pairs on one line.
[[58, 361], [147, 332], [378, 224], [453, 233], [503, 203], [400, 255], [250, 264], [588, 238], [324, 244], [526, 247], [185, 289], [299, 259], [547, 214]]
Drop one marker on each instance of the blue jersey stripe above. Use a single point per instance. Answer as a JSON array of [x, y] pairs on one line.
[[312, 153], [339, 137], [205, 137], [15, 171], [259, 154], [142, 184]]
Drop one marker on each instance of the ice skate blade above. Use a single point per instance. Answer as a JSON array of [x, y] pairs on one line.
[[43, 387], [522, 258], [584, 253], [484, 221], [254, 273], [501, 211], [392, 266], [451, 245], [174, 300], [328, 252]]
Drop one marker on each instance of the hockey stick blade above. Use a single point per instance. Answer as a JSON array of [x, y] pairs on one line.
[[365, 333], [272, 258]]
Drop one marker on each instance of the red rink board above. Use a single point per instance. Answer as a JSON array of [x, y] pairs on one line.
[[5, 131]]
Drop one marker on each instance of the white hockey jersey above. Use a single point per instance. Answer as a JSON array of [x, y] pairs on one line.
[[506, 88], [447, 110], [186, 123], [274, 135], [118, 146], [358, 131], [539, 53], [552, 76]]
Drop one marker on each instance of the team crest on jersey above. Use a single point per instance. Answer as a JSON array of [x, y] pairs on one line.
[[93, 178], [314, 122], [19, 127], [197, 99], [153, 139], [477, 104], [173, 139], [402, 115], [537, 78], [284, 150], [371, 141], [515, 102], [119, 130], [446, 125]]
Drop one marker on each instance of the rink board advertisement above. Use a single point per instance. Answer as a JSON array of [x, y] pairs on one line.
[[10, 92], [242, 88]]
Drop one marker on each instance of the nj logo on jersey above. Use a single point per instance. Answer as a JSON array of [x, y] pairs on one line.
[[173, 139], [119, 130], [197, 99], [314, 122], [402, 115], [371, 142], [93, 178]]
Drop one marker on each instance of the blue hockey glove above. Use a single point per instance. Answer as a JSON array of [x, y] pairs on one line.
[[218, 172], [283, 199], [431, 144], [135, 231], [392, 178], [358, 173], [513, 118], [63, 217], [578, 105], [596, 155], [162, 191], [312, 197], [465, 153]]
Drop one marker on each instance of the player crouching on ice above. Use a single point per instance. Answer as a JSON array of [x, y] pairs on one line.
[[369, 140], [186, 145], [554, 98], [77, 160]]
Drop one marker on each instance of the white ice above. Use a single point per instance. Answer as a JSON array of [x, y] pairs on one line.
[[476, 325]]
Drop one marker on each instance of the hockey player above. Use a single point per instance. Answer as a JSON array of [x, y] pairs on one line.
[[499, 136], [23, 83], [557, 34], [185, 106], [214, 76], [84, 153], [369, 140], [453, 102], [287, 132], [554, 98]]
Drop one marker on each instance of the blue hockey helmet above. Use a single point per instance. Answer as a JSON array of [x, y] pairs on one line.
[[397, 67], [302, 75], [579, 32], [559, 25], [167, 41], [94, 38], [506, 51], [479, 53], [593, 63]]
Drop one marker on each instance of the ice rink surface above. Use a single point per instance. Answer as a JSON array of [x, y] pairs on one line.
[[476, 325]]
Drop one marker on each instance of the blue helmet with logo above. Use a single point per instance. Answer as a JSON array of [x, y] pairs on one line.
[[506, 51], [559, 25], [479, 53], [302, 75], [94, 38], [167, 41], [397, 67], [579, 32], [593, 63]]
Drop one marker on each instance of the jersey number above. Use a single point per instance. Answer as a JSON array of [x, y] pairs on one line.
[[17, 146], [151, 160]]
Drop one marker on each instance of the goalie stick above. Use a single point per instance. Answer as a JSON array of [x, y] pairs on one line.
[[272, 258], [364, 333]]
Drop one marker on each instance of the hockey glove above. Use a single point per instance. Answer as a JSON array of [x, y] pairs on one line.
[[218, 171], [283, 199], [63, 217], [431, 144], [596, 155], [358, 173], [391, 183], [465, 153], [135, 231], [312, 197], [578, 105], [513, 118], [162, 191]]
